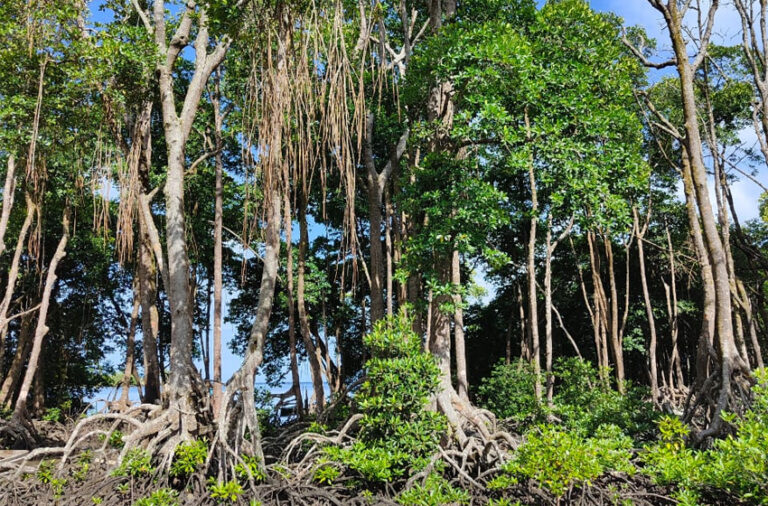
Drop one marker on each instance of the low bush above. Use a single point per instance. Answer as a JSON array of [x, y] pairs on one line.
[[436, 491], [558, 459], [737, 464], [397, 433], [509, 392], [160, 497], [189, 457], [137, 462], [584, 402], [581, 401]]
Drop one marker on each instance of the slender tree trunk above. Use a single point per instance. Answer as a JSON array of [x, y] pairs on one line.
[[730, 362], [240, 388], [705, 347], [746, 304], [458, 329], [533, 313], [130, 349], [295, 381], [652, 360], [218, 223], [20, 410], [150, 319], [38, 394], [550, 379], [12, 380], [618, 352], [600, 311], [388, 244], [184, 378], [525, 348], [13, 273], [377, 260], [312, 350], [548, 344], [8, 194]]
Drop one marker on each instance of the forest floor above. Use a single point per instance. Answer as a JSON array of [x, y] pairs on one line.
[[30, 478]]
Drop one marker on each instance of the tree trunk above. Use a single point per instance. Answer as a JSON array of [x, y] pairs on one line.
[[150, 319], [548, 307], [184, 377], [8, 194], [377, 260], [388, 244], [312, 350], [533, 313], [11, 382], [240, 388], [652, 361], [618, 352], [600, 309], [730, 361], [218, 223], [295, 381], [550, 379], [130, 349], [458, 329], [13, 273], [20, 410]]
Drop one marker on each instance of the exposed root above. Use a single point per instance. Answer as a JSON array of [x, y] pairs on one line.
[[727, 389]]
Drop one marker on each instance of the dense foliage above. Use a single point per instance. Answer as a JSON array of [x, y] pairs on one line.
[[431, 252]]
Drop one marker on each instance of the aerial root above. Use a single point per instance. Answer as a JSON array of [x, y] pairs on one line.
[[726, 389]]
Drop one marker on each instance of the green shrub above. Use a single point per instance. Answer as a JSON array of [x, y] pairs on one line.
[[558, 459], [115, 439], [45, 471], [84, 465], [581, 401], [397, 434], [509, 392], [435, 491], [737, 464], [584, 403], [228, 491], [160, 497], [137, 462], [250, 468], [326, 474], [189, 457], [669, 461], [52, 415]]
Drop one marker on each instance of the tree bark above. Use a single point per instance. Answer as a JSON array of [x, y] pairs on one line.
[[730, 362], [705, 347], [218, 222], [312, 351], [8, 195], [12, 380], [13, 273], [548, 344], [377, 182], [295, 380], [20, 410], [177, 127], [533, 313], [130, 349], [150, 319], [458, 329], [616, 345], [652, 361]]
